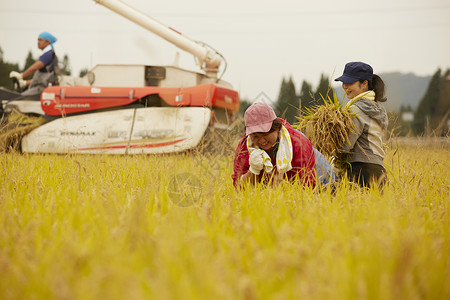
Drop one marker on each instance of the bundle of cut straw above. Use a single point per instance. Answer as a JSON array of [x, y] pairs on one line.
[[328, 127], [15, 128]]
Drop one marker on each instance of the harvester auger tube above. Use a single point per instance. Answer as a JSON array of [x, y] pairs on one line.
[[209, 59]]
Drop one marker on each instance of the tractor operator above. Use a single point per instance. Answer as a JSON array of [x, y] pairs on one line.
[[43, 70]]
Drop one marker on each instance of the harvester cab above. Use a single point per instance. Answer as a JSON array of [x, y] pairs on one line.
[[124, 109]]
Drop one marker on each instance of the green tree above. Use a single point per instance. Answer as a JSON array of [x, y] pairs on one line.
[[29, 61], [428, 104], [442, 114], [405, 108], [5, 69], [306, 95], [288, 102], [323, 90], [243, 106]]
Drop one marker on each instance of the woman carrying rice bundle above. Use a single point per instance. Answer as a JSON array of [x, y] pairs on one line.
[[365, 143]]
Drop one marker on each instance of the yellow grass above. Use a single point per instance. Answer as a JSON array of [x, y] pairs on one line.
[[106, 227]]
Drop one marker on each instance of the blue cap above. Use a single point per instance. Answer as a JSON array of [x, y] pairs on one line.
[[48, 36], [355, 71]]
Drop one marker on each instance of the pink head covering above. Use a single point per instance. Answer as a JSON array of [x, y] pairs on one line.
[[258, 118]]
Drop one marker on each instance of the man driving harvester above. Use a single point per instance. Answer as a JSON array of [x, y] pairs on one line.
[[43, 70]]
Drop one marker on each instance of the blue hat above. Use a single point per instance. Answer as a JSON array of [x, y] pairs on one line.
[[48, 36], [355, 71]]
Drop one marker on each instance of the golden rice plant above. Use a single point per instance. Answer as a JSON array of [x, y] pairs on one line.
[[117, 227], [328, 127], [17, 125]]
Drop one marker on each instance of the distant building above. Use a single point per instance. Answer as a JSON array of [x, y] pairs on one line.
[[407, 116]]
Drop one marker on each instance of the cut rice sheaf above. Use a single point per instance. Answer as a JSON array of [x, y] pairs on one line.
[[14, 128], [328, 127]]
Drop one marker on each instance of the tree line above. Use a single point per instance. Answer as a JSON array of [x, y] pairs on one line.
[[290, 104], [431, 117], [433, 111]]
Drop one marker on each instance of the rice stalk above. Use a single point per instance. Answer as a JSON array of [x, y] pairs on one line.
[[328, 127], [15, 128]]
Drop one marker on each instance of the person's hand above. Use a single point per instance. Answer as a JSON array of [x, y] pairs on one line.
[[15, 74], [256, 161]]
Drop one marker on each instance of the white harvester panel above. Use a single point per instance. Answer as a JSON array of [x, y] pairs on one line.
[[132, 131], [119, 75]]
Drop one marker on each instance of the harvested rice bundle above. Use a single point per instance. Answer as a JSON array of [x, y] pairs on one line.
[[15, 128], [328, 128]]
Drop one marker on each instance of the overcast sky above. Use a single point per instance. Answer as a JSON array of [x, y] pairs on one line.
[[262, 41]]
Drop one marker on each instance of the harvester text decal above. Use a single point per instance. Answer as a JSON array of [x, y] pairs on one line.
[[75, 105], [77, 133]]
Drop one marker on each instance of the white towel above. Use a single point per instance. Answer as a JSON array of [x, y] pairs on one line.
[[284, 153], [369, 95]]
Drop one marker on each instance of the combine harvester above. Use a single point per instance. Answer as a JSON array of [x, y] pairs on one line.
[[130, 109]]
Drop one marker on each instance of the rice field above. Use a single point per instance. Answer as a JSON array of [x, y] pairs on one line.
[[173, 227]]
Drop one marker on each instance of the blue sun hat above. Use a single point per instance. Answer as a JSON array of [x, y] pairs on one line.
[[355, 71], [48, 37]]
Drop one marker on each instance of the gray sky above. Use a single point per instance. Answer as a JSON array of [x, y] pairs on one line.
[[262, 41]]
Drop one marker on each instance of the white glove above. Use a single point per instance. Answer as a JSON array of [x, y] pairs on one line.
[[256, 161], [15, 74]]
